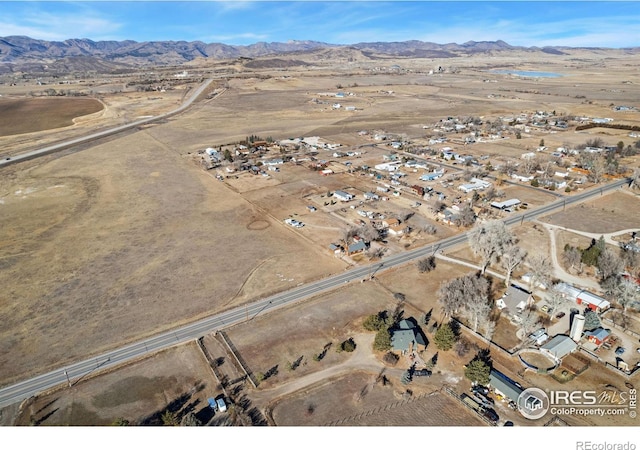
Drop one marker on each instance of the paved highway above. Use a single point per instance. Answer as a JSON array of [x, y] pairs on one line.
[[73, 373], [67, 144]]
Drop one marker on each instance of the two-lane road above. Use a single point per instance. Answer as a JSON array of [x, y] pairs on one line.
[[74, 372], [101, 134]]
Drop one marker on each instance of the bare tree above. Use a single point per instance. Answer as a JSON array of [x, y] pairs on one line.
[[430, 229], [490, 193], [635, 179], [488, 328], [627, 293], [489, 240], [426, 264], [465, 293], [555, 299], [540, 270], [511, 258], [466, 217], [594, 163], [572, 258], [630, 257], [530, 321], [477, 310], [609, 264], [529, 165]]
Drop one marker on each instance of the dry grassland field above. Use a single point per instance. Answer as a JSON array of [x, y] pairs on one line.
[[177, 380], [132, 236], [607, 214]]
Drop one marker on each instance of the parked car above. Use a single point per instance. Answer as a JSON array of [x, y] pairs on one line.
[[491, 415], [485, 400], [560, 315], [620, 350], [482, 389], [508, 423], [422, 373], [544, 308]]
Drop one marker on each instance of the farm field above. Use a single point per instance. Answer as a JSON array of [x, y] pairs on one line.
[[37, 114]]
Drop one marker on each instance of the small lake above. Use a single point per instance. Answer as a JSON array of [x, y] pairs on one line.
[[525, 73]]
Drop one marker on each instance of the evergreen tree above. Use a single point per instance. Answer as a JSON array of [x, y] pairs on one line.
[[444, 337], [382, 341], [478, 370]]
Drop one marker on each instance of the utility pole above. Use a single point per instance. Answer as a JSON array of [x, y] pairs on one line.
[[67, 375]]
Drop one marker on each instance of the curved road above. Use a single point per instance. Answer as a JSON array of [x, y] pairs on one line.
[[75, 372], [67, 144]]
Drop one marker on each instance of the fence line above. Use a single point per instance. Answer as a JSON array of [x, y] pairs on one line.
[[237, 357]]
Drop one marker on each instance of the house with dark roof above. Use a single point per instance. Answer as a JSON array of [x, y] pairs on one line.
[[356, 247], [408, 337]]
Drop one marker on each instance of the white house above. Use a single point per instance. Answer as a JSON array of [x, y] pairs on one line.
[[506, 204], [475, 185], [388, 167], [343, 196], [273, 162], [523, 178]]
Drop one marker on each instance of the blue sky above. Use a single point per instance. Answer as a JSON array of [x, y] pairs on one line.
[[527, 23]]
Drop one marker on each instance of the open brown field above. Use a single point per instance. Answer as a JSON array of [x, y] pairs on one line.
[[37, 114], [126, 239], [363, 402], [177, 380], [613, 212]]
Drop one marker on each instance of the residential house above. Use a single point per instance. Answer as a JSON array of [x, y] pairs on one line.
[[432, 176], [273, 162], [506, 204], [514, 301], [475, 185], [408, 337], [522, 178], [390, 222], [418, 190], [370, 196], [356, 247], [388, 167], [398, 230], [335, 249], [343, 196]]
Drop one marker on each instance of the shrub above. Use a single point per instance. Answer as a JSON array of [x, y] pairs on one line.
[[390, 358], [349, 345]]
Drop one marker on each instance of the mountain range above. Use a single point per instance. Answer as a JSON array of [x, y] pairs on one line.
[[24, 54]]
